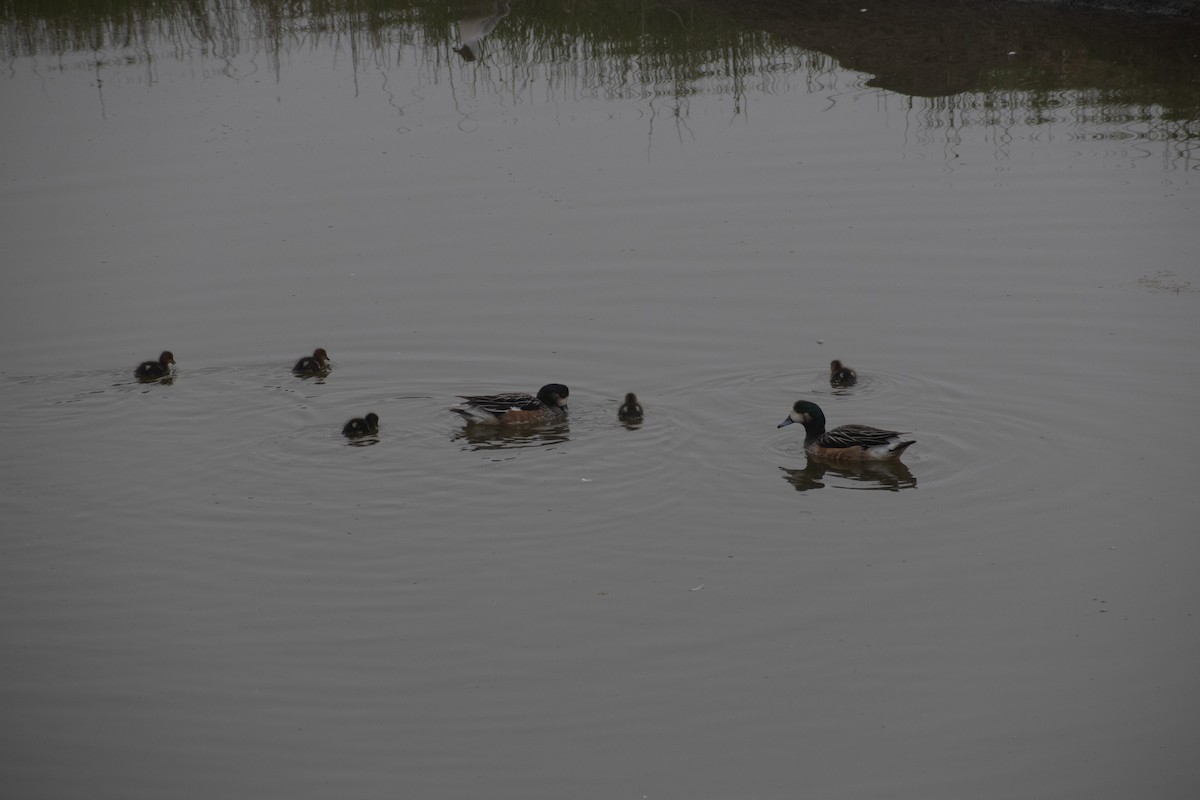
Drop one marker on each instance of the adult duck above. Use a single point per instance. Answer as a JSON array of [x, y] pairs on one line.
[[548, 405], [856, 442]]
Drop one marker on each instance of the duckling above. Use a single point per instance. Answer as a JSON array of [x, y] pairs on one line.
[[516, 407], [630, 410], [841, 376], [360, 426], [316, 364], [859, 442], [153, 370]]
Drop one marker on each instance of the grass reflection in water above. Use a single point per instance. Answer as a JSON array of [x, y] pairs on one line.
[[1016, 64]]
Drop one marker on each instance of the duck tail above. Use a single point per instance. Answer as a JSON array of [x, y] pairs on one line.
[[902, 446], [472, 414]]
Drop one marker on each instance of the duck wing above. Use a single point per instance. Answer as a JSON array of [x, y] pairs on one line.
[[856, 436], [500, 403]]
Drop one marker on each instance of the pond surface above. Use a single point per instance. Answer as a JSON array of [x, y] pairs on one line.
[[206, 591]]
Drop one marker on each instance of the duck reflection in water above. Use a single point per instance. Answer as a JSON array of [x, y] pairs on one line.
[[472, 30], [891, 476], [510, 437]]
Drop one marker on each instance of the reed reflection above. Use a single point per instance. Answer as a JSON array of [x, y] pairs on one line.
[[889, 476], [1042, 65], [472, 30]]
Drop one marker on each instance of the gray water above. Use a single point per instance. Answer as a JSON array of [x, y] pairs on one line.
[[206, 591]]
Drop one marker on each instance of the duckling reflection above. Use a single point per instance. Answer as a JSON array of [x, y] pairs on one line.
[[891, 476], [502, 437], [473, 29]]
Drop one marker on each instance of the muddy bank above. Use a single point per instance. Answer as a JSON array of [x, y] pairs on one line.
[[1182, 9], [1171, 8], [937, 48]]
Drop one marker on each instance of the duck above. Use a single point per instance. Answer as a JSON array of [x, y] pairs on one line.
[[630, 410], [316, 364], [841, 376], [362, 426], [851, 442], [548, 405], [153, 370]]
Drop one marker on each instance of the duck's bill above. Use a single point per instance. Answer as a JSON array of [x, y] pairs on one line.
[[786, 421]]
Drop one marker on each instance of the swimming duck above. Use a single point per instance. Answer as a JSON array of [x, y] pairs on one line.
[[841, 376], [516, 407], [360, 426], [315, 364], [859, 442], [630, 410], [153, 370]]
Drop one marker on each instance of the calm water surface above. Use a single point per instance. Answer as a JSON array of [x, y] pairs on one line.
[[205, 590]]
